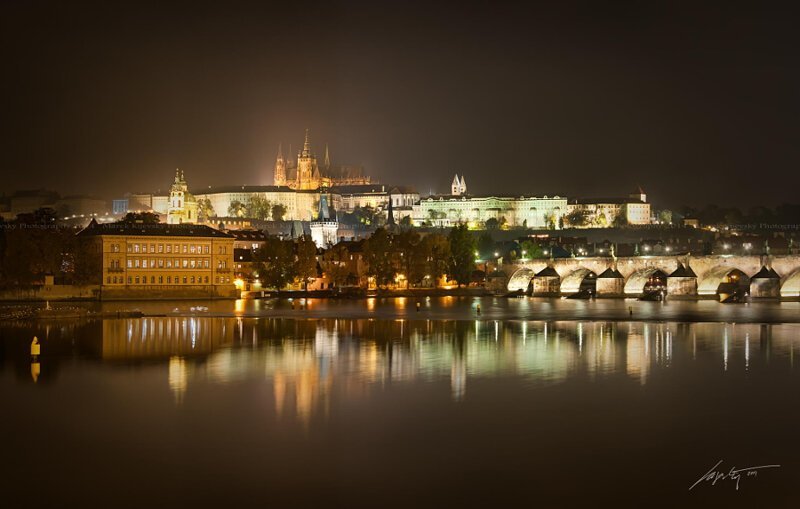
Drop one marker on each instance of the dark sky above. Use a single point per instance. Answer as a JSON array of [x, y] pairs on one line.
[[697, 104]]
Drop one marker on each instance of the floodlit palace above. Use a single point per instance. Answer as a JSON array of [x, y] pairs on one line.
[[301, 183]]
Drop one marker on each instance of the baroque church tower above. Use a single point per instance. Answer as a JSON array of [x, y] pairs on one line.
[[182, 204]]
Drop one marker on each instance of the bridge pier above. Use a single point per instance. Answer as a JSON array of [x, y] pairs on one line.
[[682, 282], [547, 283], [765, 284], [610, 283]]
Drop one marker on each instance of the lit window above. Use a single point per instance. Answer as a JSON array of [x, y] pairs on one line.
[[169, 263], [169, 248], [161, 248], [185, 263], [184, 279]]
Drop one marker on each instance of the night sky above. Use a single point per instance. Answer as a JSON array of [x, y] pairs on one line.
[[696, 104]]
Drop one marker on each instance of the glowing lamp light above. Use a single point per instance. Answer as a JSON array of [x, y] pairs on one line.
[[238, 283]]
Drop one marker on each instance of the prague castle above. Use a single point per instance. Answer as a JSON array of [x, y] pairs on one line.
[[306, 174]]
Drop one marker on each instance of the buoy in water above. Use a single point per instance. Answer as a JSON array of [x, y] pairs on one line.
[[36, 348]]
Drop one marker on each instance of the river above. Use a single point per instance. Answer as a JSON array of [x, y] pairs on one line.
[[339, 403]]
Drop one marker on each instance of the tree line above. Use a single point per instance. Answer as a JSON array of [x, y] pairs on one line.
[[34, 246]]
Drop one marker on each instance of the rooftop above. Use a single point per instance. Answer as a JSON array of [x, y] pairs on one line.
[[151, 230]]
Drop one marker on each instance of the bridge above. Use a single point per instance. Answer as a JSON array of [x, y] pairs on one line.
[[712, 276]]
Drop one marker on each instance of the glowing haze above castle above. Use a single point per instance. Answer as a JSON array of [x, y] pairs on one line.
[[305, 173]]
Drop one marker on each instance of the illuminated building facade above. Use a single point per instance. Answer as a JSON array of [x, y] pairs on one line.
[[511, 211], [306, 174], [163, 260]]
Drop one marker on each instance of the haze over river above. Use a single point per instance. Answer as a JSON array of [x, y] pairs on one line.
[[370, 403]]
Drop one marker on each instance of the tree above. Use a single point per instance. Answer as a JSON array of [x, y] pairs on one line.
[[622, 218], [278, 211], [275, 263], [236, 209], [377, 253], [531, 249], [87, 261], [550, 220], [492, 223], [306, 264], [578, 218], [665, 216], [205, 210], [258, 207], [406, 221], [462, 254], [485, 245], [337, 267]]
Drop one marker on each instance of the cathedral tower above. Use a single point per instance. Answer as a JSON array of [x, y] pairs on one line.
[[279, 175], [307, 171]]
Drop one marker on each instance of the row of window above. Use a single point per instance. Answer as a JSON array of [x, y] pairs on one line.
[[169, 248], [186, 280], [169, 263]]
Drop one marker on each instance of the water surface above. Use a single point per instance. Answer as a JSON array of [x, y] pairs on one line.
[[246, 411]]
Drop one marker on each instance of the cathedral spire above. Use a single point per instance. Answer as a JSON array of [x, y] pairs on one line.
[[177, 175], [280, 152], [327, 158], [307, 146]]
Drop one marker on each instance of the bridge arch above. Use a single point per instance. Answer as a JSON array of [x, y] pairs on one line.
[[577, 280], [709, 283], [791, 287], [520, 280], [636, 282]]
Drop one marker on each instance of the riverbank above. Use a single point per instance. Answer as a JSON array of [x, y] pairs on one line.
[[452, 308]]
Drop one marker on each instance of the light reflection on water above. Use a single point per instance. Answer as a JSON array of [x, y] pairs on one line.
[[328, 409], [305, 361]]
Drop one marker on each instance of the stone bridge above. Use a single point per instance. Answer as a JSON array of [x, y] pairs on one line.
[[679, 275]]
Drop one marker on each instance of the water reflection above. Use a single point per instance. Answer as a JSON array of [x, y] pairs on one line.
[[310, 362]]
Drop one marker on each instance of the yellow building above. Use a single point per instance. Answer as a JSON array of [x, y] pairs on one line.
[[163, 261]]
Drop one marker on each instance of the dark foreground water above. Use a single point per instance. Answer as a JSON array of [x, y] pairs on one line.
[[443, 409]]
